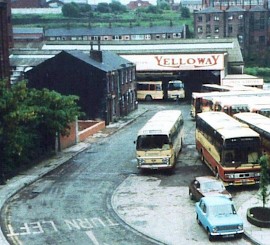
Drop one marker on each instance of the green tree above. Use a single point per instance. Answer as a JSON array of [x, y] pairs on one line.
[[55, 111], [117, 7], [153, 10], [85, 9], [71, 10], [103, 8], [185, 13], [29, 120], [264, 179], [165, 6]]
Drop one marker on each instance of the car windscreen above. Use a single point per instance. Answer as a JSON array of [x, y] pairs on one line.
[[147, 142], [212, 186], [220, 210]]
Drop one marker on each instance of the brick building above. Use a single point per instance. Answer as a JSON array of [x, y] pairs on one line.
[[137, 4], [6, 41], [103, 81], [250, 26], [28, 3]]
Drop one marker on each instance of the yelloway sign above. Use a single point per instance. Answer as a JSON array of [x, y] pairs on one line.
[[177, 62]]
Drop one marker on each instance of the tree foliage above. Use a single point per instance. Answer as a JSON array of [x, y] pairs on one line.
[[71, 10], [264, 179], [185, 13], [29, 120], [117, 7], [103, 8]]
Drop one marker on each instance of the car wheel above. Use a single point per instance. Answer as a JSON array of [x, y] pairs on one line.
[[239, 236], [148, 97], [198, 221], [217, 174], [191, 196], [210, 237], [202, 157]]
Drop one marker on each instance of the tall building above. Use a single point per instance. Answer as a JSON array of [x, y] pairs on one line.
[[249, 25], [5, 38]]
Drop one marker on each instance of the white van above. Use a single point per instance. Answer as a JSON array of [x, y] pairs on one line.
[[149, 90], [176, 90]]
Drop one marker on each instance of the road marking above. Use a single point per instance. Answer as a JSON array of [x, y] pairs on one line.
[[91, 235]]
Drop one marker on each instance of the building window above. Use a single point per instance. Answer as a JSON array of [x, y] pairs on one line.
[[216, 29], [121, 77], [240, 17], [129, 75], [199, 19], [216, 18], [157, 36], [177, 35], [230, 29], [261, 39], [241, 28], [148, 37], [208, 29], [262, 25], [240, 38], [125, 76], [137, 37], [117, 37], [199, 29], [108, 83], [133, 73], [208, 17], [230, 17], [252, 40]]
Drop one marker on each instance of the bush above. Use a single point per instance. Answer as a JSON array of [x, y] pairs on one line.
[[71, 10]]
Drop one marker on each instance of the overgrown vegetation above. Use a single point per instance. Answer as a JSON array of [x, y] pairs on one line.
[[263, 72], [115, 14], [29, 121], [264, 179], [105, 15]]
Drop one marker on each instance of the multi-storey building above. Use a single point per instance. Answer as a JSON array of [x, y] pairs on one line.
[[250, 26], [5, 38]]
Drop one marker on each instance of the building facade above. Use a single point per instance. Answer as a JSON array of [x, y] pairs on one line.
[[249, 26], [132, 5], [117, 33], [103, 81], [6, 41]]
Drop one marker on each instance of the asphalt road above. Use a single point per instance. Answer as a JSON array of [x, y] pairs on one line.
[[73, 204]]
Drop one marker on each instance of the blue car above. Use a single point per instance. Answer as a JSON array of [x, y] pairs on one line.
[[218, 217]]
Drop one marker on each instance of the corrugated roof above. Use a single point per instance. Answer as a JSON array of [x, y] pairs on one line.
[[106, 31], [110, 60], [210, 10], [221, 45], [192, 2], [235, 9], [27, 30], [258, 8]]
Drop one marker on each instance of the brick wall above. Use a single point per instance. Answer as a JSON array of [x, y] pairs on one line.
[[67, 141], [85, 130], [89, 128]]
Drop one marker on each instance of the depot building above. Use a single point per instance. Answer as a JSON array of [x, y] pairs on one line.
[[194, 61]]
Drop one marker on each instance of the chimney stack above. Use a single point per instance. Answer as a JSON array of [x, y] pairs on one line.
[[96, 54]]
